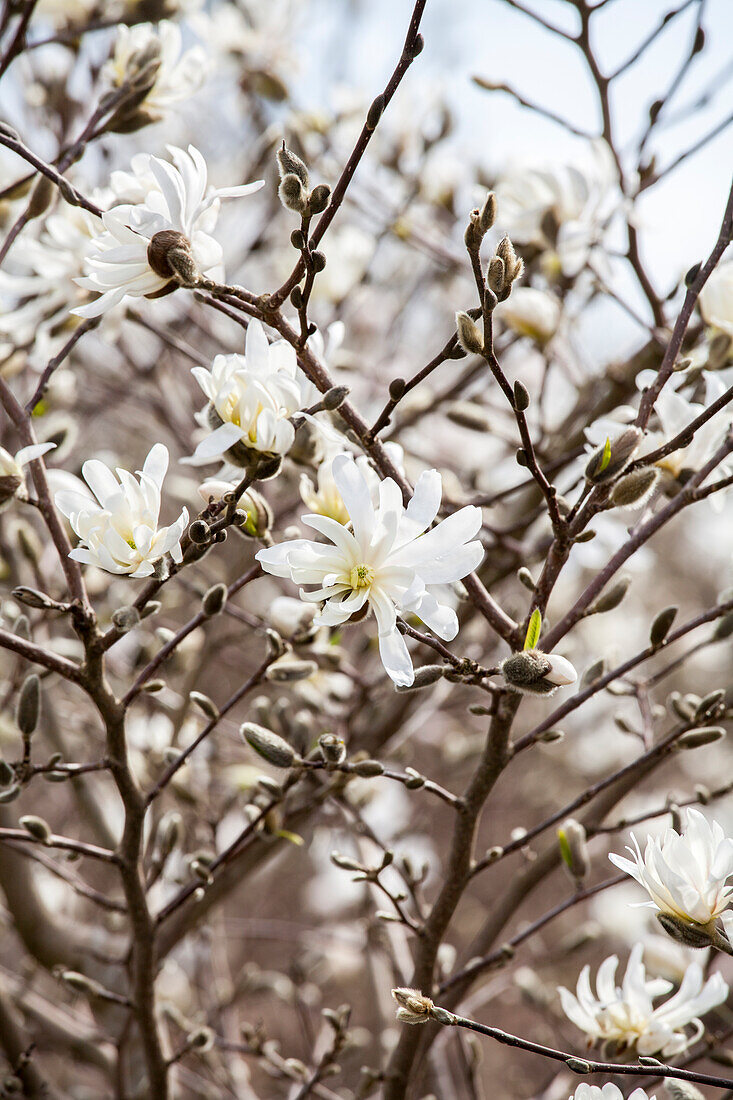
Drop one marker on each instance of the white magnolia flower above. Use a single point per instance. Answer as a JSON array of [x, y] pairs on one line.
[[177, 198], [324, 497], [626, 1016], [686, 876], [716, 298], [251, 399], [12, 476], [531, 312], [120, 533], [576, 201], [178, 75], [389, 562], [608, 1091]]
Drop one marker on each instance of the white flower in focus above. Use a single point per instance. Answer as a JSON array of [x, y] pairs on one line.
[[251, 400], [12, 476], [531, 312], [120, 534], [716, 298], [178, 200], [388, 563], [561, 209], [626, 1016], [686, 876], [608, 1091], [178, 75]]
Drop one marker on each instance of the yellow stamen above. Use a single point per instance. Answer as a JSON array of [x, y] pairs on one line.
[[361, 576]]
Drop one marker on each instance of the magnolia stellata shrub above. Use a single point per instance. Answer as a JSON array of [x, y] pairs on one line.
[[364, 550]]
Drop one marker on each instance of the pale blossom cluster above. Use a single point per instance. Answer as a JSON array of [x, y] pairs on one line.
[[175, 74]]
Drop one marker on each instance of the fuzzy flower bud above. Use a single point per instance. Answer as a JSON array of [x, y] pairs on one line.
[[573, 848], [613, 457], [469, 334], [535, 673], [270, 746], [414, 1007]]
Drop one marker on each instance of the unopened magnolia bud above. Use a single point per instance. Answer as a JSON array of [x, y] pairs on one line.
[[611, 598], [695, 739], [201, 1040], [10, 794], [368, 769], [424, 676], [199, 532], [661, 626], [549, 737], [488, 212], [125, 618], [293, 194], [29, 705], [81, 984], [578, 1065], [31, 597], [573, 848], [684, 931], [614, 456], [525, 577], [290, 671], [163, 246], [634, 489], [375, 112], [335, 397], [290, 164], [469, 334], [414, 1008], [206, 706], [153, 687], [36, 827], [152, 607], [496, 275], [41, 198], [318, 262], [319, 199], [257, 512], [214, 600], [593, 672], [521, 396], [442, 1016], [270, 746], [537, 673], [167, 834], [712, 704], [513, 265], [723, 628], [333, 749]]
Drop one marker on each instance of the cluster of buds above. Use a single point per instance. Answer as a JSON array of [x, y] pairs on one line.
[[294, 191]]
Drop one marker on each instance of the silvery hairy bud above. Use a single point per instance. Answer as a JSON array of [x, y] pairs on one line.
[[319, 199], [480, 222], [500, 282], [293, 194], [711, 705], [41, 198], [611, 598], [125, 618], [206, 706], [696, 739], [36, 827], [288, 670], [370, 769], [413, 1006], [661, 626], [684, 931], [289, 163], [536, 673], [332, 748], [614, 456], [170, 256], [270, 746], [199, 532], [214, 600], [634, 489], [469, 334], [29, 705], [573, 849], [424, 676], [31, 597]]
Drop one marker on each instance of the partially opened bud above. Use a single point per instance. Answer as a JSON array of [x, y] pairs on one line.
[[614, 456], [573, 848], [535, 673], [414, 1007], [469, 334]]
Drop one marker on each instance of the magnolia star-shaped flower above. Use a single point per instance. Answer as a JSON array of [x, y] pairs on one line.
[[120, 533], [626, 1016], [686, 876], [609, 1091], [387, 561], [128, 260]]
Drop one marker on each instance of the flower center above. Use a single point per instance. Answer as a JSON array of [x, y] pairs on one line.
[[361, 576]]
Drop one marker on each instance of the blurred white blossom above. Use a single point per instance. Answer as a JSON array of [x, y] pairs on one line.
[[716, 298], [12, 474], [178, 74], [625, 1015]]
